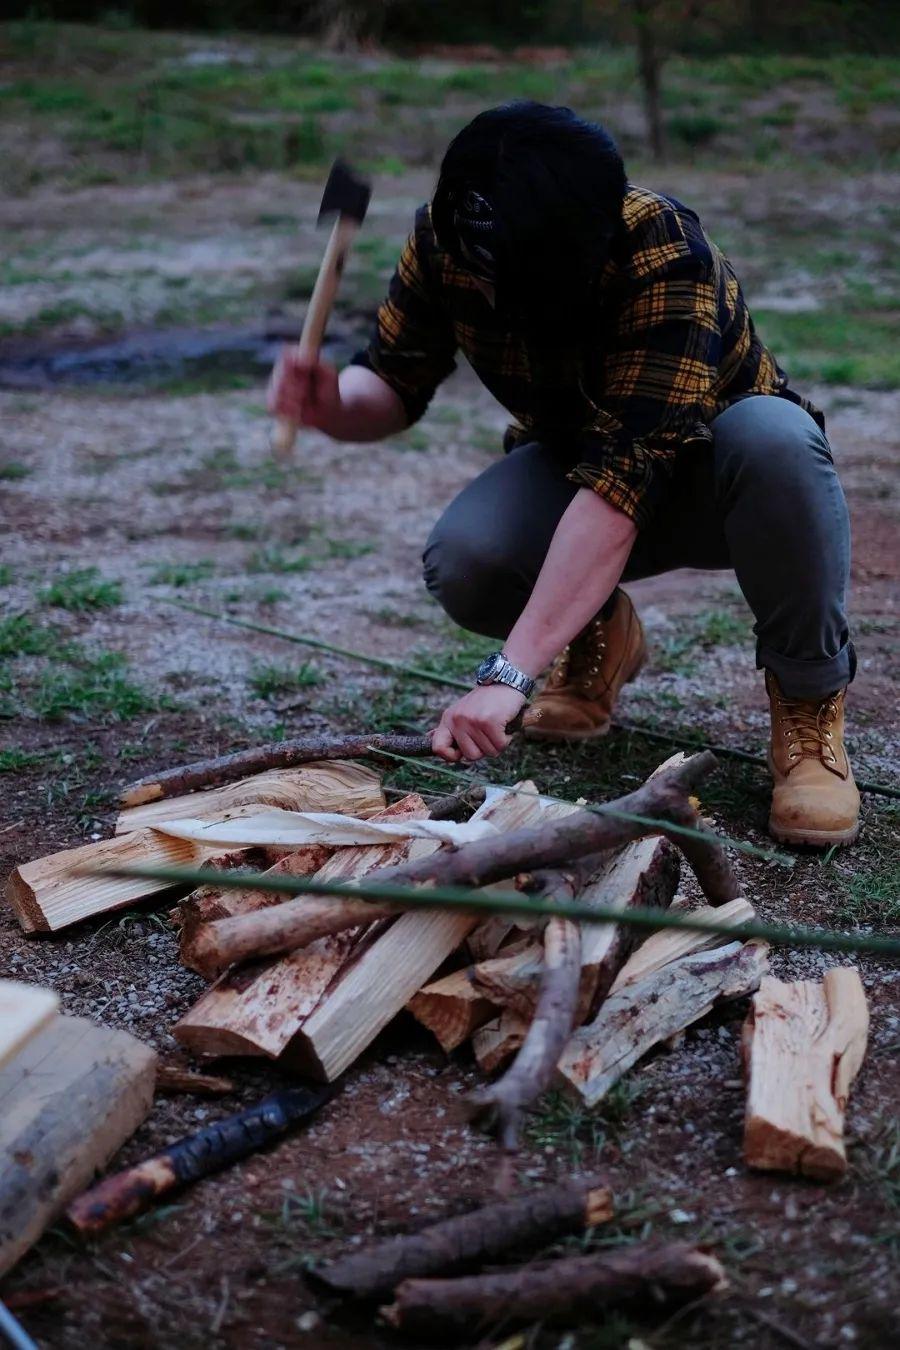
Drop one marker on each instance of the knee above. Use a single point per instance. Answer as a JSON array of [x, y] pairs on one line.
[[472, 583], [768, 442]]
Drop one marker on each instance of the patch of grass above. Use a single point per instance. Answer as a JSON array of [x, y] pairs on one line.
[[14, 761], [81, 591], [346, 548], [277, 560], [312, 1214], [98, 686], [182, 574], [268, 680], [7, 575], [559, 1122], [21, 636], [12, 471], [709, 629], [872, 897], [395, 619], [695, 128], [835, 346]]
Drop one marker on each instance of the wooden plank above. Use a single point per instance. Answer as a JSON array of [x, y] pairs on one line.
[[336, 785], [803, 1046], [68, 1101], [257, 1008], [24, 1010], [651, 1010], [671, 945], [375, 986], [48, 894]]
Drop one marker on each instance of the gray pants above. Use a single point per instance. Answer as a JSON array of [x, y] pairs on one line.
[[764, 499]]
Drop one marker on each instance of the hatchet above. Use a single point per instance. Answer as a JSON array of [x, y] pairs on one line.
[[347, 195]]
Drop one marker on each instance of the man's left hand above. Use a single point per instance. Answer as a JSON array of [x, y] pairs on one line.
[[475, 725]]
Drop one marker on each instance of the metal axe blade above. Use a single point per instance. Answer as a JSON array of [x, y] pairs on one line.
[[346, 194]]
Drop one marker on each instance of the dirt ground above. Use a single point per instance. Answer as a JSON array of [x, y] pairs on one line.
[[172, 496]]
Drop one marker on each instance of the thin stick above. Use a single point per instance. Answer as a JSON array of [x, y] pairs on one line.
[[514, 905]]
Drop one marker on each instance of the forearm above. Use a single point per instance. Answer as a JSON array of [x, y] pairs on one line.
[[369, 409], [586, 558]]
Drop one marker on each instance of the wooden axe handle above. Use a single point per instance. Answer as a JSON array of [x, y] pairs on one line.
[[320, 304]]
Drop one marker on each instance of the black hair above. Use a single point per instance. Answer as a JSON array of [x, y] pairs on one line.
[[555, 184]]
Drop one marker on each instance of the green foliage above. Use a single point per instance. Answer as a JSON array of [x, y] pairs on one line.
[[21, 636], [695, 129], [12, 471], [98, 685], [182, 574], [82, 590], [836, 346], [706, 630], [7, 575], [14, 761], [270, 679], [278, 561]]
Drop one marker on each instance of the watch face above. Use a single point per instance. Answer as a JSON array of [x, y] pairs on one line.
[[488, 667]]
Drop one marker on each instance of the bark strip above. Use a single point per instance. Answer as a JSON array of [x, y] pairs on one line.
[[453, 1245], [570, 1291], [279, 755]]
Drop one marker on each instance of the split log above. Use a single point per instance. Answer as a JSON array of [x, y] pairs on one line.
[[670, 944], [25, 1009], [534, 1066], [803, 1046], [353, 789], [171, 1080], [125, 1194], [53, 892], [208, 904], [207, 773], [496, 1042], [651, 1010], [378, 983], [571, 1290], [453, 1245], [257, 1009], [556, 843], [451, 1008], [68, 1101]]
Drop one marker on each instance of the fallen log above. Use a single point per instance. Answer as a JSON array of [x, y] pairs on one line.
[[803, 1046], [53, 892], [277, 755], [662, 948], [453, 1245], [25, 1009], [650, 1010], [554, 1017], [126, 1194], [554, 843], [571, 1290], [68, 1101], [353, 789], [257, 1009]]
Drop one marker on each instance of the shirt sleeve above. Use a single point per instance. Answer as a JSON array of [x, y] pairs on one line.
[[657, 373], [413, 346]]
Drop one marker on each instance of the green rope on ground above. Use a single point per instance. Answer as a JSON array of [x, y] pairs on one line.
[[668, 826], [514, 905], [451, 682]]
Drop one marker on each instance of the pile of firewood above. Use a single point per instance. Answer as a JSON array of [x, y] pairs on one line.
[[311, 981]]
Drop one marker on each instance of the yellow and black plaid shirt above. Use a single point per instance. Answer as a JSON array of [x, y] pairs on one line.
[[671, 345]]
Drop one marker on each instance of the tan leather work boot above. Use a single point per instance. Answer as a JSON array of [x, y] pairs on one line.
[[815, 800], [577, 701]]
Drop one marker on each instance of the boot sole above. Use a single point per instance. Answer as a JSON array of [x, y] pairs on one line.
[[533, 733], [816, 838]]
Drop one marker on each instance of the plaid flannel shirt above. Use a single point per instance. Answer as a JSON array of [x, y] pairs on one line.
[[669, 346]]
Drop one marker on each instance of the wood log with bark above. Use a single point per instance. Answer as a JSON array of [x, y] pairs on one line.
[[555, 843], [454, 1245], [574, 1289], [208, 773], [650, 1010], [803, 1046], [354, 789], [662, 948], [68, 1101]]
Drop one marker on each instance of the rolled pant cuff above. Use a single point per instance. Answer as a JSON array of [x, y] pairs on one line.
[[809, 679]]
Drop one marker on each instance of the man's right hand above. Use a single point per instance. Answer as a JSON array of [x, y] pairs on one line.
[[305, 391]]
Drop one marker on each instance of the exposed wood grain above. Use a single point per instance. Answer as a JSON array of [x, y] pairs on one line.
[[661, 948], [25, 1009]]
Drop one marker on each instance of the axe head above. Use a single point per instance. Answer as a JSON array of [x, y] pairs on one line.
[[345, 193]]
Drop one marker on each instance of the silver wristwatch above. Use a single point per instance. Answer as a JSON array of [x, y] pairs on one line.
[[495, 669]]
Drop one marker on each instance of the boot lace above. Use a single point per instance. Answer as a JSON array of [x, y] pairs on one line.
[[807, 728], [582, 661]]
